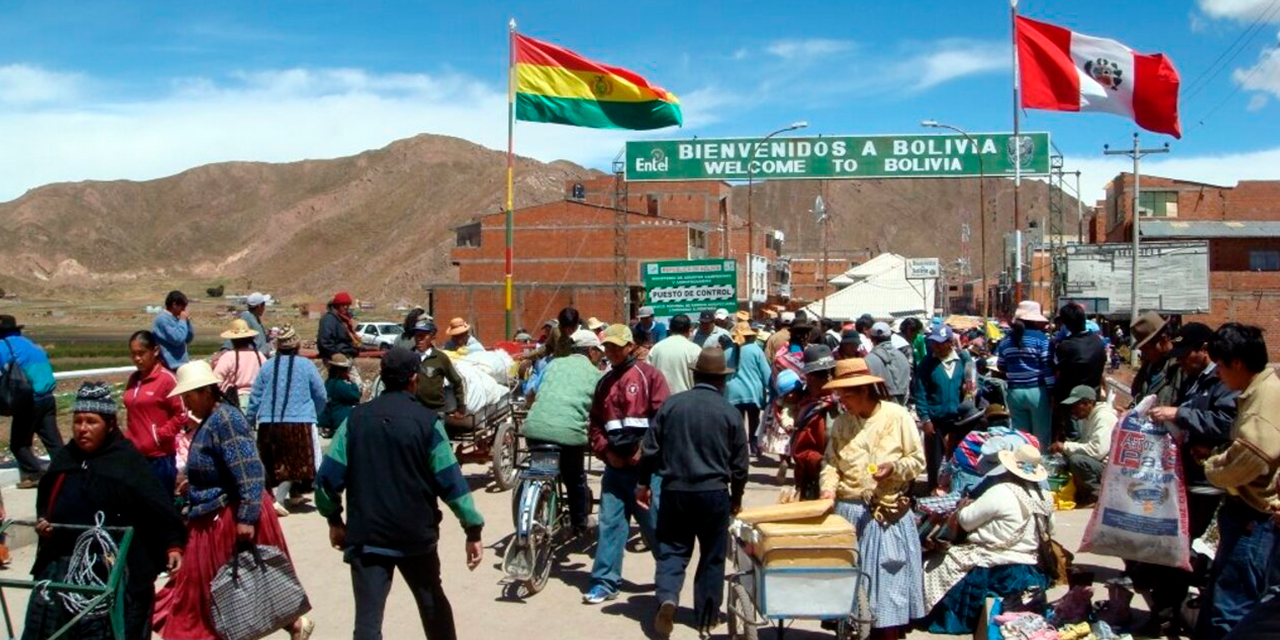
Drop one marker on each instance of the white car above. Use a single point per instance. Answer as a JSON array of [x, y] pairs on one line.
[[379, 335]]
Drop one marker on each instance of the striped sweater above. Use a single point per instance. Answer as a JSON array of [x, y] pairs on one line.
[[1027, 365], [394, 461]]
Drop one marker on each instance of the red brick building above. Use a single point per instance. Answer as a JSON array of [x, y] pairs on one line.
[[1241, 224], [806, 272], [567, 251]]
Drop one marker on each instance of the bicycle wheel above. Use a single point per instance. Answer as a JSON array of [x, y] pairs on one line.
[[740, 628], [541, 542]]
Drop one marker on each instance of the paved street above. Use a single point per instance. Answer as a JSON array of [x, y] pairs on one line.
[[478, 602]]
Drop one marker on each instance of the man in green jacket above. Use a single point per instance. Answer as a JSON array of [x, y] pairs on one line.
[[558, 416], [938, 388], [435, 370]]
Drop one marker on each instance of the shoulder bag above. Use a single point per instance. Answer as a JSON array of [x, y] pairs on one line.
[[255, 594], [16, 393]]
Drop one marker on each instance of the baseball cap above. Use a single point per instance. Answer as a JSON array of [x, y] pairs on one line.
[[1081, 392], [850, 336], [585, 339], [707, 315], [255, 299], [881, 330], [940, 333], [721, 314], [425, 326], [1192, 336], [645, 312], [618, 334], [788, 317], [399, 363]]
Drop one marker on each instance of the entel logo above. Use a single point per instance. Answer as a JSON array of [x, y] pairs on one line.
[[657, 162]]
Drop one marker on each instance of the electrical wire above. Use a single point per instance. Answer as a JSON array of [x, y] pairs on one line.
[[94, 556], [1201, 81]]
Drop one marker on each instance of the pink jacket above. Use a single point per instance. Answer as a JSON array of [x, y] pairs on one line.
[[238, 369]]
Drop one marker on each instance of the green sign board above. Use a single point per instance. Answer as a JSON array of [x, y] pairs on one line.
[[690, 286], [838, 157]]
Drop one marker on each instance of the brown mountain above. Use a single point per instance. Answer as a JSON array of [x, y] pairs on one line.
[[376, 223], [912, 217]]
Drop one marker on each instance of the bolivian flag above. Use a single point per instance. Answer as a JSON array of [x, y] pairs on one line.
[[553, 84]]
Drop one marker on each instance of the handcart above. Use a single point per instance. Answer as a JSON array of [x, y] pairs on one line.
[[491, 435], [775, 583], [110, 594]]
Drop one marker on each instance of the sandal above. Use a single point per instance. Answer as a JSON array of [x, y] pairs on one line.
[[307, 627]]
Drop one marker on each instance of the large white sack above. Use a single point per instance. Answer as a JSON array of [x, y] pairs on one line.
[[480, 389], [496, 363]]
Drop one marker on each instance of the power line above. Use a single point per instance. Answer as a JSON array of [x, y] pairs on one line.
[[1239, 85], [1242, 40]]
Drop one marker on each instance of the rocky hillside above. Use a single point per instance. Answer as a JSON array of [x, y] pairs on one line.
[[377, 223]]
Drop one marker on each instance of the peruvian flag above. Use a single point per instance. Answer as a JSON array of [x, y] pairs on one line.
[[1062, 70]]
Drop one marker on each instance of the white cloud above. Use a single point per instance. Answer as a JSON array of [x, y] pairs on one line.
[[1219, 169], [1257, 102], [22, 84], [272, 116], [953, 59], [1241, 10], [808, 49], [1263, 76]]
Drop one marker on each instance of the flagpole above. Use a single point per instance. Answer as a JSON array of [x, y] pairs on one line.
[[1017, 153], [511, 163]]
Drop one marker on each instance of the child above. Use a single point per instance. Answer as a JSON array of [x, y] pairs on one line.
[[343, 396]]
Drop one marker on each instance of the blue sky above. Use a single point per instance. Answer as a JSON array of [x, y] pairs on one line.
[[137, 90]]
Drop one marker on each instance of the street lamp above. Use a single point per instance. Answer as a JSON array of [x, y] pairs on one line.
[[751, 221], [982, 208]]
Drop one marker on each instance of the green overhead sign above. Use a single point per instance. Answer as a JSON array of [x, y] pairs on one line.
[[690, 286], [838, 157]]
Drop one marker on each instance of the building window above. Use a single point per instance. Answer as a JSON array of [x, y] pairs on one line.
[[697, 244], [653, 205], [1264, 260], [1158, 204], [468, 235]]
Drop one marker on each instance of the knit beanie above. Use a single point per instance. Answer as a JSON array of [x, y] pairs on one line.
[[94, 397]]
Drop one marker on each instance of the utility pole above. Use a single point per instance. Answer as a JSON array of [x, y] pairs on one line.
[[751, 220], [820, 213], [1137, 154], [1079, 211]]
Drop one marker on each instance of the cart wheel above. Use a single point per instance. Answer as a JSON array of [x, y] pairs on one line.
[[739, 603], [504, 451]]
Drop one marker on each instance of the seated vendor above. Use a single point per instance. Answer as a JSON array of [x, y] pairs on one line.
[[1087, 457], [1000, 554]]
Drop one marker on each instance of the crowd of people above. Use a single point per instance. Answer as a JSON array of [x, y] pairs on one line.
[[887, 422]]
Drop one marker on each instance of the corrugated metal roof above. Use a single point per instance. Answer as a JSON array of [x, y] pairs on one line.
[[1210, 229]]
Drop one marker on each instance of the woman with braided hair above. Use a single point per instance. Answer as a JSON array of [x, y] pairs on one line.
[[287, 397]]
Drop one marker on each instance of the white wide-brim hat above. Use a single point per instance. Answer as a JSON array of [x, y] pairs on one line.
[[194, 375]]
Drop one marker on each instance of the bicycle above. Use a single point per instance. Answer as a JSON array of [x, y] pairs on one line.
[[540, 510]]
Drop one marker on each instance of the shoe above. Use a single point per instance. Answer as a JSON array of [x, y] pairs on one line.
[[598, 595], [308, 627], [4, 555], [30, 483], [665, 622], [281, 511]]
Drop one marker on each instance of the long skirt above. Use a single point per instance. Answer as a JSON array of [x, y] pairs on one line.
[[45, 616], [184, 606], [288, 452], [959, 611], [890, 556]]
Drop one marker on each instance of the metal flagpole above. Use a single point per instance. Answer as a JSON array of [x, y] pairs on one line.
[[1017, 152], [511, 164]]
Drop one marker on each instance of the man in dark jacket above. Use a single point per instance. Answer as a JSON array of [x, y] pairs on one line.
[[396, 466], [625, 400], [698, 447], [1204, 412], [1079, 360], [337, 329], [1159, 374], [434, 371]]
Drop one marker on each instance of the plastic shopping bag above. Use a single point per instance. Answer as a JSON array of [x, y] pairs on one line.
[[1142, 513]]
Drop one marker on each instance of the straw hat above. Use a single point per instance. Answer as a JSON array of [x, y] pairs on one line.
[[852, 372], [594, 323], [194, 375], [239, 329], [457, 327], [1029, 311], [339, 360], [742, 331], [742, 316], [1024, 462], [288, 338]]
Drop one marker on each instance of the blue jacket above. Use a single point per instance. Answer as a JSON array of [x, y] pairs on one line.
[[277, 399], [173, 336], [33, 361], [751, 374], [937, 394]]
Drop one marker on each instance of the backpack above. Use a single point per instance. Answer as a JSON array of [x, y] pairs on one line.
[[16, 393]]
